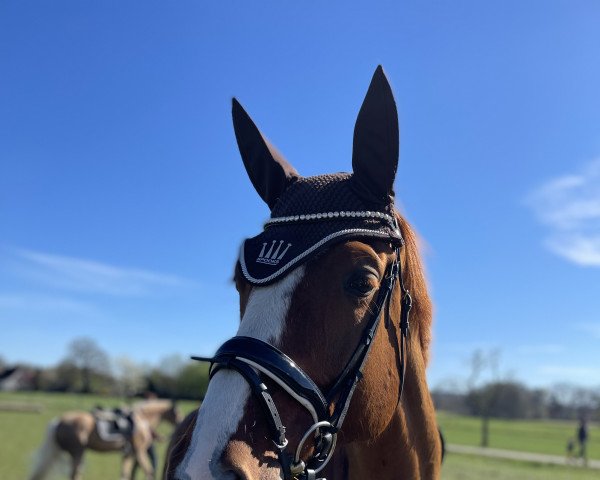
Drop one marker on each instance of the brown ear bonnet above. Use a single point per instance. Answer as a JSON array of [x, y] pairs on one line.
[[309, 214]]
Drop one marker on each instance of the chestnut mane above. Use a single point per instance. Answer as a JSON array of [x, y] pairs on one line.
[[416, 283]]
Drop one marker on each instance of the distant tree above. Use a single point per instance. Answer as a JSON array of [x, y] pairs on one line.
[[65, 377], [171, 365], [90, 359], [162, 379], [160, 383], [179, 380], [482, 398], [568, 401], [450, 401], [192, 381], [538, 403], [500, 400], [584, 402], [129, 376]]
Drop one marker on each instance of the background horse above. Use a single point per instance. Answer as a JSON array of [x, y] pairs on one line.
[[324, 302], [75, 431]]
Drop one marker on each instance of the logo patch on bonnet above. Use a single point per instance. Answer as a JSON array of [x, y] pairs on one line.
[[272, 257]]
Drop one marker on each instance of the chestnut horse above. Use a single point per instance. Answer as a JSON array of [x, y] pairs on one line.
[[75, 431], [323, 353]]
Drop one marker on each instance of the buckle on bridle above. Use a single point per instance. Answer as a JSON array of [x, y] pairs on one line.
[[327, 439], [284, 442], [393, 275], [405, 315]]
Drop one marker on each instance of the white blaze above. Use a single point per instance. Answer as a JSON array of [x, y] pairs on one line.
[[228, 392]]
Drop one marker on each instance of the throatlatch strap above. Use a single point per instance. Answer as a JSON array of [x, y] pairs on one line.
[[406, 306]]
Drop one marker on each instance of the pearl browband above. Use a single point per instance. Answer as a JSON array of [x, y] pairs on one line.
[[329, 215]]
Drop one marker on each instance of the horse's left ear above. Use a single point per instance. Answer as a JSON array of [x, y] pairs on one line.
[[376, 143], [269, 171]]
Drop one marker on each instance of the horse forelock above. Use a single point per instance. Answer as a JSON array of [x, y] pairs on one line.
[[264, 317]]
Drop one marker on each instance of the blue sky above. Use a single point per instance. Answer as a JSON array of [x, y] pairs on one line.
[[123, 199]]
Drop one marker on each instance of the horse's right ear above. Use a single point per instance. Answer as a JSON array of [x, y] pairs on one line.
[[269, 172], [376, 143]]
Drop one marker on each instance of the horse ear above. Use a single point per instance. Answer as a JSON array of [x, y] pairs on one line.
[[269, 172], [376, 143]]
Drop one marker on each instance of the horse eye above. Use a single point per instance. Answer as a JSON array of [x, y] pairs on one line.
[[361, 285]]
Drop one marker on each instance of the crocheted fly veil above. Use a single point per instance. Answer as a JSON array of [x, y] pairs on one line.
[[309, 214]]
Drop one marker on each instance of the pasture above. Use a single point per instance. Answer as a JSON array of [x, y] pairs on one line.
[[536, 436], [467, 467], [22, 432]]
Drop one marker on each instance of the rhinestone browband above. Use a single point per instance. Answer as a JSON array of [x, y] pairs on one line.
[[329, 215]]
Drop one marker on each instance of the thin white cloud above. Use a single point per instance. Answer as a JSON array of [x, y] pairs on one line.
[[577, 248], [541, 349], [78, 274], [592, 329], [570, 207], [577, 374], [45, 303], [468, 348]]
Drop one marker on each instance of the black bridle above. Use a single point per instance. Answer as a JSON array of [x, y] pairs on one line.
[[253, 358]]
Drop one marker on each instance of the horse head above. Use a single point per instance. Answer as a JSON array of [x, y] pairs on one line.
[[322, 348], [173, 414]]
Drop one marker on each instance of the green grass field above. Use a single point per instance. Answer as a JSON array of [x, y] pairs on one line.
[[21, 434], [467, 467], [542, 436]]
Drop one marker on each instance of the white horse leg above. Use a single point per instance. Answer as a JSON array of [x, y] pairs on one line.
[[46, 455]]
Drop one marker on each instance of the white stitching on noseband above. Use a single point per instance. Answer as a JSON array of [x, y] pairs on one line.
[[301, 400]]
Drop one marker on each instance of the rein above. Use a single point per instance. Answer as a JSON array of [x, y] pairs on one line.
[[251, 357]]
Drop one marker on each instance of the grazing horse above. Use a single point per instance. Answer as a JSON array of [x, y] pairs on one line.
[[75, 431], [326, 352]]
